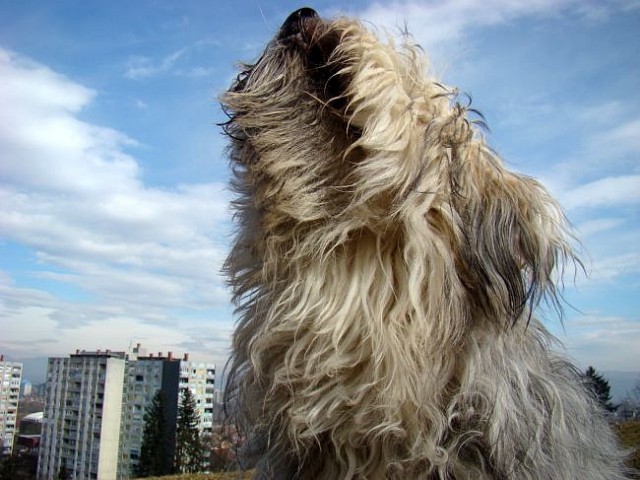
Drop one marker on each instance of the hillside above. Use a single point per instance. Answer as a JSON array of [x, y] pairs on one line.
[[629, 433]]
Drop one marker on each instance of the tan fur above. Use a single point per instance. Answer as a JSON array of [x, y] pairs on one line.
[[385, 270]]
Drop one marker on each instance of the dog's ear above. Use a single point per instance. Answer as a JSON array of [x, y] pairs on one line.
[[514, 238]]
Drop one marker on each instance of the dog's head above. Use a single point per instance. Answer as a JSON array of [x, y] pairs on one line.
[[324, 121], [338, 135]]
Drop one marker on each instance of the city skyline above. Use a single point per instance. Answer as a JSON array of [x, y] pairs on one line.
[[114, 218]]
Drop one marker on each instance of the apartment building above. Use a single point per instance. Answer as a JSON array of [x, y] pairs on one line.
[[81, 422], [145, 375], [95, 404], [10, 376], [199, 377]]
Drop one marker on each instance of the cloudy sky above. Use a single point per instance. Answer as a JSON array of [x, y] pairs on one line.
[[114, 213]]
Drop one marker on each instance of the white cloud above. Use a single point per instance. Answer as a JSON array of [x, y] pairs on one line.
[[598, 225], [44, 325], [608, 268], [435, 22], [43, 144], [197, 72], [610, 137], [609, 191], [73, 196], [622, 139], [140, 104], [176, 63], [604, 113], [608, 340], [139, 67], [602, 171], [443, 27], [37, 87]]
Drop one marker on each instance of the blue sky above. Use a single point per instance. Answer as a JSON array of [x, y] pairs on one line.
[[113, 198]]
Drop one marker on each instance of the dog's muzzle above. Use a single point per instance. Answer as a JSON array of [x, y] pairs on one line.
[[295, 23]]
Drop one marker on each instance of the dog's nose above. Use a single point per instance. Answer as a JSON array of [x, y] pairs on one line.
[[293, 24]]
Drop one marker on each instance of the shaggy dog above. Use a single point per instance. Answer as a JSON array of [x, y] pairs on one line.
[[385, 271]]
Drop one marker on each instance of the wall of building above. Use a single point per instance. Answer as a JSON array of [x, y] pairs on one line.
[[109, 439], [50, 454], [199, 377], [170, 379], [143, 380]]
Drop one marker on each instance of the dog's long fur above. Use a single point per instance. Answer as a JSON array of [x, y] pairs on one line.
[[385, 271]]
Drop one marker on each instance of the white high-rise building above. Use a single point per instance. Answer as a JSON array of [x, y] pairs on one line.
[[81, 424], [10, 375]]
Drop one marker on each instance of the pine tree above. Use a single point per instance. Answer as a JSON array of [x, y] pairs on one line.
[[154, 458], [600, 388], [189, 446]]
